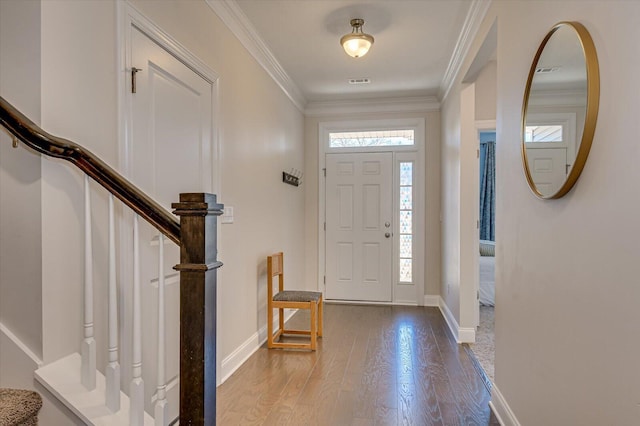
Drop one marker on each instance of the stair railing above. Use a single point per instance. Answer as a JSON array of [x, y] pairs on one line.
[[195, 233]]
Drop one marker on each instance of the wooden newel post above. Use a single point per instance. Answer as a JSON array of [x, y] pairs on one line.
[[198, 265]]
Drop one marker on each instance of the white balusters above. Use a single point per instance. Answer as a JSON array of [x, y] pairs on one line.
[[136, 390], [162, 407], [88, 350], [112, 391]]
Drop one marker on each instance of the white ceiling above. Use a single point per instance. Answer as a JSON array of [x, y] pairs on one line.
[[564, 53], [414, 43]]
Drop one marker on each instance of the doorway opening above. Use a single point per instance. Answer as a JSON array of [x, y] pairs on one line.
[[484, 347], [478, 230]]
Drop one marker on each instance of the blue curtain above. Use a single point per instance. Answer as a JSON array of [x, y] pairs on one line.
[[487, 190]]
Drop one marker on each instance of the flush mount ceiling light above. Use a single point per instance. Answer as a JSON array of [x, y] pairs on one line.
[[357, 43]]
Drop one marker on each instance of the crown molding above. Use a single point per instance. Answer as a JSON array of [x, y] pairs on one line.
[[235, 19], [471, 25], [558, 98], [374, 105]]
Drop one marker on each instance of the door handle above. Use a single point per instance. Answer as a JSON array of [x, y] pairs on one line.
[[387, 234], [387, 225]]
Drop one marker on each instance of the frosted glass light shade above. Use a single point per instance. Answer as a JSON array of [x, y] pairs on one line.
[[356, 45]]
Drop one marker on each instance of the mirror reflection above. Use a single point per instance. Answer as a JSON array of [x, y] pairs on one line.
[[555, 112]]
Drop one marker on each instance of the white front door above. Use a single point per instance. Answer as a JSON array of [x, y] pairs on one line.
[[170, 153], [359, 226], [547, 166]]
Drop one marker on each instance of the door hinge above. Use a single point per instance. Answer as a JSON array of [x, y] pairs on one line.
[[478, 153], [324, 171], [325, 226], [134, 71], [325, 280], [477, 224], [478, 295]]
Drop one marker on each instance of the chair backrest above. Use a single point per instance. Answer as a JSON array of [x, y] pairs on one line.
[[275, 267]]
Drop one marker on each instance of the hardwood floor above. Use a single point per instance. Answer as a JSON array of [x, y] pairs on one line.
[[375, 365]]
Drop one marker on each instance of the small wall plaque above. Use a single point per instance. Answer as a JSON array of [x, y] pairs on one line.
[[294, 178]]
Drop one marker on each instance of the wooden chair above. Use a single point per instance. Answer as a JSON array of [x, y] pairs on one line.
[[293, 299]]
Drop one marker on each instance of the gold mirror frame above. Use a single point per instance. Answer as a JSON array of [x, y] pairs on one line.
[[591, 114]]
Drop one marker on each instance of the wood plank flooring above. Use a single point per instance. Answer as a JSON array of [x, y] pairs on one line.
[[375, 365]]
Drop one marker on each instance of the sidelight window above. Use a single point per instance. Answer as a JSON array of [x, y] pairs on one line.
[[406, 222]]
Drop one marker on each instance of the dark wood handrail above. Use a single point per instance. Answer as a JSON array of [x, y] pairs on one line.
[[34, 137]]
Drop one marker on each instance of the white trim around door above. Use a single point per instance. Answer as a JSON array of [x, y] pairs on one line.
[[403, 293], [130, 19]]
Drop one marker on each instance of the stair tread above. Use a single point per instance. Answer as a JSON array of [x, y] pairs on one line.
[[18, 405]]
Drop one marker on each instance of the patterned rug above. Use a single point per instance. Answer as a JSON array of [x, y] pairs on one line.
[[484, 348]]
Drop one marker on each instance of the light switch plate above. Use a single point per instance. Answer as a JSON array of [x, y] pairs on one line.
[[227, 215]]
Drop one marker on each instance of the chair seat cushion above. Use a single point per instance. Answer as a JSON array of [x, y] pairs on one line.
[[297, 296]]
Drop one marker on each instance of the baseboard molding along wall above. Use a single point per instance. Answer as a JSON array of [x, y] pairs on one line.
[[466, 335], [501, 409], [242, 353], [461, 334], [10, 338], [432, 300]]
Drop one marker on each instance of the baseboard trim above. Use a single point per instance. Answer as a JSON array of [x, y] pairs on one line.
[[242, 353], [466, 335], [236, 358], [449, 318], [432, 300], [20, 345], [461, 334], [501, 409]]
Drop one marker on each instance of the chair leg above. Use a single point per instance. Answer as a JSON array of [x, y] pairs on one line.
[[320, 316], [281, 318], [314, 325], [269, 326]]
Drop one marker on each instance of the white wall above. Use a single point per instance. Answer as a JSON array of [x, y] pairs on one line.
[[78, 103], [432, 192], [485, 105], [466, 103], [450, 199], [20, 231], [20, 212], [592, 310], [566, 270], [260, 132]]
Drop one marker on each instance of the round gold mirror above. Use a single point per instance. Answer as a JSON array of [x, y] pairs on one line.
[[560, 110]]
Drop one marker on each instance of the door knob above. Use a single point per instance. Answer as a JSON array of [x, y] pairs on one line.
[[387, 224], [387, 234]]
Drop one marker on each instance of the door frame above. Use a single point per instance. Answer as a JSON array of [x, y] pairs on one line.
[[400, 153], [481, 126], [128, 17]]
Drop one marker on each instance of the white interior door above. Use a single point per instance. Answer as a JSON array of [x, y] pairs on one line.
[[170, 153], [359, 226], [547, 166]]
